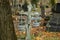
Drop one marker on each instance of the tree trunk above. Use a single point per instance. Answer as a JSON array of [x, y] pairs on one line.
[[42, 10], [6, 23]]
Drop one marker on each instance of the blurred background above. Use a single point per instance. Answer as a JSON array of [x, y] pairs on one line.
[[32, 19]]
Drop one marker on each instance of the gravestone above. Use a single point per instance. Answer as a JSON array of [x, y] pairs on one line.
[[55, 19]]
